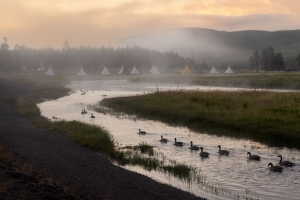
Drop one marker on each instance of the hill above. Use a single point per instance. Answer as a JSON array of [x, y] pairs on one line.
[[216, 47]]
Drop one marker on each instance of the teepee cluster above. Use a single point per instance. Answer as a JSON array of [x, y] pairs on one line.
[[154, 70]]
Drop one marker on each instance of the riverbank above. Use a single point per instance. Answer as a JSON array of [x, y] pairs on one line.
[[62, 158], [267, 117]]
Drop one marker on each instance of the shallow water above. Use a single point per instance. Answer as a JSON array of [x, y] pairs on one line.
[[226, 177]]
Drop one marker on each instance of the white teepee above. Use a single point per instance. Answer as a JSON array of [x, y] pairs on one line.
[[152, 69], [155, 71], [134, 71], [105, 71], [121, 70], [81, 72], [41, 68], [229, 71], [50, 72], [213, 70]]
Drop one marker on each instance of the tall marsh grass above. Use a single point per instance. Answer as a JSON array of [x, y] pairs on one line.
[[268, 117]]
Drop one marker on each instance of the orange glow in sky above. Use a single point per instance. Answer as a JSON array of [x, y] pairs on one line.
[[41, 23]]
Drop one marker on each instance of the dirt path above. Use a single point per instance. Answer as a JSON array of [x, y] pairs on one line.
[[60, 157]]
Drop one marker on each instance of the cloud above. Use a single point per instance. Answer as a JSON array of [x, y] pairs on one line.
[[51, 22]]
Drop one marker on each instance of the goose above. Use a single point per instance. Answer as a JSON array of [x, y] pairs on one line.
[[180, 144], [275, 168], [223, 152], [285, 163], [203, 154], [142, 132], [83, 111], [196, 148], [163, 139], [92, 116], [253, 157]]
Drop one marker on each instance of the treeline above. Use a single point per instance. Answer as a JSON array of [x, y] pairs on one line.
[[267, 60], [91, 58]]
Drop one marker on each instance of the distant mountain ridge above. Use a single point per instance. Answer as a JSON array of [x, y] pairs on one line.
[[215, 46]]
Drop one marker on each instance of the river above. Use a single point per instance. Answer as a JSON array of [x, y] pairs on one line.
[[226, 177]]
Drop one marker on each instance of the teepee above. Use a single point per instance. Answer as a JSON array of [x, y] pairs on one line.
[[41, 68], [186, 70], [123, 71], [152, 69], [105, 71], [155, 71], [81, 72], [134, 71], [213, 70], [229, 71], [50, 72], [167, 70]]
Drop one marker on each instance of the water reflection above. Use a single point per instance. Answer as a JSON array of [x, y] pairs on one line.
[[223, 177]]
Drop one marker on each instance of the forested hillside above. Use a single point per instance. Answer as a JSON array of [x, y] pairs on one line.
[[217, 47]]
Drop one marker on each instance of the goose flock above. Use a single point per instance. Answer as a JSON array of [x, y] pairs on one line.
[[204, 154]]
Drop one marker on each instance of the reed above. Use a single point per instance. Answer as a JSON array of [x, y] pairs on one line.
[[267, 117]]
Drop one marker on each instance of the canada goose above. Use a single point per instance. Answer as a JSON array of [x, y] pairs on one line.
[[163, 139], [196, 148], [285, 163], [275, 168], [223, 152], [83, 93], [92, 116], [253, 157], [203, 154], [180, 144], [142, 132], [104, 95], [83, 111]]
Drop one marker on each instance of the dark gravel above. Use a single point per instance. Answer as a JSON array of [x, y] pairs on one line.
[[59, 156]]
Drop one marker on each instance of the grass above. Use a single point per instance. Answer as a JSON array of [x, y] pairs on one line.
[[94, 137], [248, 80], [267, 117]]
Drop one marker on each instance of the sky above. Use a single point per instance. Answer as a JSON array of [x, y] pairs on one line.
[[95, 23]]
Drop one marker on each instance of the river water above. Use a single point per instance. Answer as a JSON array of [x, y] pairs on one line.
[[226, 177]]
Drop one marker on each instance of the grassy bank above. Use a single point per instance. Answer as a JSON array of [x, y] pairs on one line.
[[268, 117], [95, 137], [248, 80]]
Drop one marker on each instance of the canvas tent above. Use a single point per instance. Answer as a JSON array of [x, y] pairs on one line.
[[155, 71], [229, 71], [41, 68], [213, 70], [152, 69], [186, 70], [123, 71], [50, 72], [134, 71], [81, 72], [105, 71], [167, 69]]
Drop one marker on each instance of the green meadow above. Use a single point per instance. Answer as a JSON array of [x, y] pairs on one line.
[[268, 117]]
